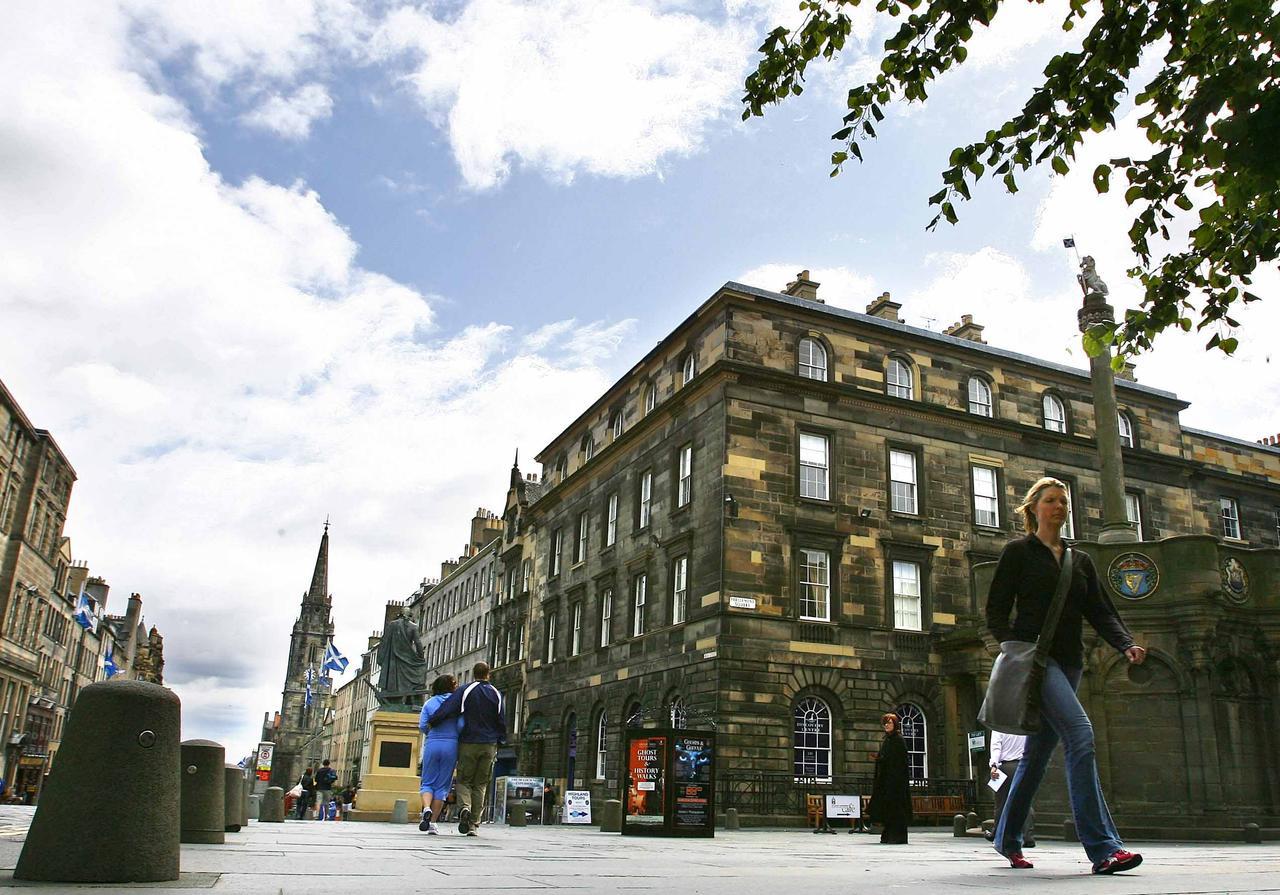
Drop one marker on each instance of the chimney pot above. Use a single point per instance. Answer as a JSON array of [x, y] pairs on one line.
[[803, 287], [884, 308]]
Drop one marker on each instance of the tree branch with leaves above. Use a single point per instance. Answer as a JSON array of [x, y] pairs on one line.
[[1211, 115]]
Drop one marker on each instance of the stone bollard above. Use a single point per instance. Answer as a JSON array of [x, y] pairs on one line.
[[1252, 834], [517, 815], [120, 743], [203, 792], [731, 821], [971, 819], [400, 812], [611, 816], [244, 801], [271, 809], [231, 798], [255, 806], [1069, 830], [959, 825]]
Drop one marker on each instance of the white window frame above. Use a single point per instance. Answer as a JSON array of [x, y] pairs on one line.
[[611, 522], [551, 637], [526, 575], [575, 641], [908, 595], [1125, 427], [1229, 512], [606, 615], [557, 547], [811, 742], [602, 745], [677, 713], [981, 399], [1054, 413], [986, 496], [812, 359], [899, 380], [815, 466], [679, 589], [589, 447], [616, 425], [684, 490], [904, 493], [1133, 511], [915, 733], [690, 368], [646, 498], [814, 578], [650, 399], [580, 554], [640, 595]]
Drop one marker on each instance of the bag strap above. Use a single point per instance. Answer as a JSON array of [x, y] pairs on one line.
[[1055, 609]]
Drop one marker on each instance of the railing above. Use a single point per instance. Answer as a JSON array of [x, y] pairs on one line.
[[783, 795]]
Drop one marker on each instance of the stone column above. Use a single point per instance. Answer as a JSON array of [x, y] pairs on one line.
[[1116, 527]]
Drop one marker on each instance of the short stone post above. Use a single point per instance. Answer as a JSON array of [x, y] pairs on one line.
[[517, 815], [611, 816], [244, 801], [1252, 834], [959, 825], [1069, 830], [231, 798], [400, 812], [203, 792], [255, 806], [731, 821], [121, 744], [271, 809], [972, 819]]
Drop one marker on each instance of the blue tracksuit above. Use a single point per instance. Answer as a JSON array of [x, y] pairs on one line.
[[440, 753]]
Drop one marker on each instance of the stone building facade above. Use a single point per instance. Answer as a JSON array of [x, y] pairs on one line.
[[774, 520]]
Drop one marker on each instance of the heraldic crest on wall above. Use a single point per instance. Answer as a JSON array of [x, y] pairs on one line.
[[1235, 580], [1133, 575]]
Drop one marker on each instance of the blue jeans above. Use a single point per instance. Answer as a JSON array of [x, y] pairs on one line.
[[1063, 718]]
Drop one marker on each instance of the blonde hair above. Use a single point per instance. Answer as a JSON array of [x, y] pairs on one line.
[[1028, 506]]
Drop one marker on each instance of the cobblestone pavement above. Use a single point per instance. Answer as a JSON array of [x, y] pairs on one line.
[[315, 858]]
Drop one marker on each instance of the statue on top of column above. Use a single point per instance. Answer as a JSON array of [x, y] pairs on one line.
[[1088, 278]]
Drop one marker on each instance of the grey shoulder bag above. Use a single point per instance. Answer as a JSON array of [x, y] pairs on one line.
[[1012, 704]]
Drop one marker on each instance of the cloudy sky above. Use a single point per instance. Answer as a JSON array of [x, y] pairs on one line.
[[263, 263]]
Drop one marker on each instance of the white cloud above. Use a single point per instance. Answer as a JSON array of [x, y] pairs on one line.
[[838, 286], [223, 374], [569, 86], [291, 116]]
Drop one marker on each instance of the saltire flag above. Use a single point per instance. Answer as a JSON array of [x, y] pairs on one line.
[[334, 660], [84, 614], [1069, 243], [306, 700], [109, 663]]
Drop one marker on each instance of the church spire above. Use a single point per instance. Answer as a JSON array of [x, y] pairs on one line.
[[319, 592]]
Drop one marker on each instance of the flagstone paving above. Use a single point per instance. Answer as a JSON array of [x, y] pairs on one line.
[[316, 858]]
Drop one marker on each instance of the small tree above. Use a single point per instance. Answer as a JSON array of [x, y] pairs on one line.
[[1211, 115]]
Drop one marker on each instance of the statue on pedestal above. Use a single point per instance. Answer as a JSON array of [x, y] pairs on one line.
[[1088, 278], [403, 670]]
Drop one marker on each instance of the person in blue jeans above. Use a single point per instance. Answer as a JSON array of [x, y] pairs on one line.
[[1025, 580], [439, 754]]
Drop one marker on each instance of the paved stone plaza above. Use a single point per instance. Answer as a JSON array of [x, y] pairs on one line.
[[312, 858]]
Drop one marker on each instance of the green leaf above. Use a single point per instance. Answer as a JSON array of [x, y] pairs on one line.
[[1102, 178], [1059, 164]]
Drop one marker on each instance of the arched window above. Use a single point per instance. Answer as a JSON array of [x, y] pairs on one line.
[[588, 446], [979, 396], [650, 398], [602, 744], [1126, 429], [1055, 414], [615, 424], [898, 379], [679, 717], [811, 739], [635, 715], [690, 367], [915, 734], [813, 360]]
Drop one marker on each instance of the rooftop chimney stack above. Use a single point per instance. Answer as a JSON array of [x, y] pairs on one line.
[[966, 329], [803, 287], [884, 308]]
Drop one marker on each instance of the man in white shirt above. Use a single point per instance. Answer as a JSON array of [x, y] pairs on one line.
[[1006, 753]]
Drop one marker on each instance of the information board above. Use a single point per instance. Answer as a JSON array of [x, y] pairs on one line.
[[265, 753], [646, 780], [577, 807]]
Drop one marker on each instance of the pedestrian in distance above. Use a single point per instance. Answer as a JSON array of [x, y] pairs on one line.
[[891, 790], [484, 729], [305, 800], [325, 778], [439, 754], [1023, 587], [1006, 755], [348, 800]]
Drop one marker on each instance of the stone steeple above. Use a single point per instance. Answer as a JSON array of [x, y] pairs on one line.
[[297, 742]]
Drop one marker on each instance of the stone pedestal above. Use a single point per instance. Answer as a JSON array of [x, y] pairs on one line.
[[395, 748]]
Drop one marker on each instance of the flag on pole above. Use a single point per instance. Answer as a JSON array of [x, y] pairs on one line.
[[84, 614], [1068, 243], [334, 660], [306, 699], [109, 663]]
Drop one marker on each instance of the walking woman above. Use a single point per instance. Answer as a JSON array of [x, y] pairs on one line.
[[439, 754], [1024, 584], [891, 791]]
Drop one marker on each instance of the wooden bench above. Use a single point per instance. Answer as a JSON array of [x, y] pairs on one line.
[[935, 807]]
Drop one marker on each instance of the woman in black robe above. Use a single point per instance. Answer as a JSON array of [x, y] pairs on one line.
[[891, 792]]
